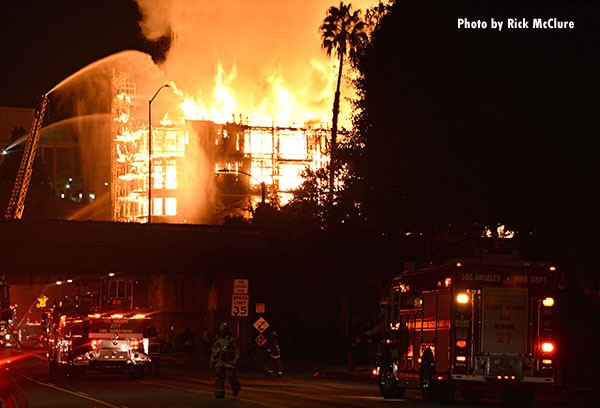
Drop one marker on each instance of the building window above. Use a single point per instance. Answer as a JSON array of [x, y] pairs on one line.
[[157, 175], [157, 206], [171, 177], [171, 206], [117, 289]]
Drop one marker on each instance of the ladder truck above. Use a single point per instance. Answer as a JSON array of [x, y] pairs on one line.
[[16, 203], [475, 325]]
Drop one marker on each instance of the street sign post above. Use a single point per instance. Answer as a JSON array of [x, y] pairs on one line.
[[239, 305]]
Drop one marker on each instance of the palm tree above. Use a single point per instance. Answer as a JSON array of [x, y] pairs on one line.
[[342, 32]]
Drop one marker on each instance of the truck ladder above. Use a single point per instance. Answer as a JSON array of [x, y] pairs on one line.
[[16, 204]]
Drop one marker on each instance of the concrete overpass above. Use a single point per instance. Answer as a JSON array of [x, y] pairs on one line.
[[184, 272], [50, 250]]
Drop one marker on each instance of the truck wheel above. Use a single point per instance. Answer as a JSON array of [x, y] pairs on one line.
[[388, 385]]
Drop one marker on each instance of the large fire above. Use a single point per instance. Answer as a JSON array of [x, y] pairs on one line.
[[279, 105], [248, 108]]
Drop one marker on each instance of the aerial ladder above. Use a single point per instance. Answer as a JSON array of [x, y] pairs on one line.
[[16, 204]]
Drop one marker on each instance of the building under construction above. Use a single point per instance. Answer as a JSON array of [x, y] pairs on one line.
[[201, 171]]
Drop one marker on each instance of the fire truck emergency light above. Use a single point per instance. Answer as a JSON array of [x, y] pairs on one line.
[[548, 302], [462, 298]]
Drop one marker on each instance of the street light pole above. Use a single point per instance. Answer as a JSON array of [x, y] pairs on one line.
[[263, 187], [150, 152]]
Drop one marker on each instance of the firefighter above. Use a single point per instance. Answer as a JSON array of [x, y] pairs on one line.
[[206, 340], [224, 357], [274, 365], [153, 349], [188, 341]]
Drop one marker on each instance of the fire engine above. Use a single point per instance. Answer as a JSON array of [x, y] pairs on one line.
[[477, 325], [100, 333], [7, 316]]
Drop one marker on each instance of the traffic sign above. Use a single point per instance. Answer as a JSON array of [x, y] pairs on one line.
[[261, 324], [239, 305], [259, 308], [240, 286], [260, 340]]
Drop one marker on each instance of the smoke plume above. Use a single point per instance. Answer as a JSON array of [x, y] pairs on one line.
[[268, 50]]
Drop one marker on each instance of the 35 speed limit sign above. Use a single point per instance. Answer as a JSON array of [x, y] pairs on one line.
[[239, 305]]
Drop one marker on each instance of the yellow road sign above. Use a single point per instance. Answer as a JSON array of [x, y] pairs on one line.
[[261, 325]]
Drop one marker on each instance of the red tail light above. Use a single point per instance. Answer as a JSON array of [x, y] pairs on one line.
[[461, 343], [547, 347]]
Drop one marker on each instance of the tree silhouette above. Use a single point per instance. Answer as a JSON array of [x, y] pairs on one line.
[[342, 33]]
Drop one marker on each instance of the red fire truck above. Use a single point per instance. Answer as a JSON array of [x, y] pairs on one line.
[[99, 333], [473, 325]]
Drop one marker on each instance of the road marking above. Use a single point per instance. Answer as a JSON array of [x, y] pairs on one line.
[[379, 399], [262, 404], [175, 387], [76, 393]]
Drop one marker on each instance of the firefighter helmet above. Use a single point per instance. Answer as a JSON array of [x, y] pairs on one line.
[[223, 329]]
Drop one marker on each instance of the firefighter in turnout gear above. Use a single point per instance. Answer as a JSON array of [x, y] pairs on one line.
[[274, 365], [224, 357]]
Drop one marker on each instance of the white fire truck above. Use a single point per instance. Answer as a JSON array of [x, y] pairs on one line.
[[101, 334], [474, 325]]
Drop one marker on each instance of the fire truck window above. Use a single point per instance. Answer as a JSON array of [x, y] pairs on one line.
[[116, 289]]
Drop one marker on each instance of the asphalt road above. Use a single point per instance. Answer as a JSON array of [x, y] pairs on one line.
[[188, 382]]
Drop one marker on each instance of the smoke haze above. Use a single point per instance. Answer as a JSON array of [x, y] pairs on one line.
[[267, 51]]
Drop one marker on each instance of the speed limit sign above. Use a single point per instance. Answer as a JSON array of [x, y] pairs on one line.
[[239, 305]]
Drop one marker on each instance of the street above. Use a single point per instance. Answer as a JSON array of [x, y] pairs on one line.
[[187, 382]]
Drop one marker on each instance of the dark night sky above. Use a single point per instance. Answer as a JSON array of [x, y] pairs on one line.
[[506, 118], [492, 89], [43, 42]]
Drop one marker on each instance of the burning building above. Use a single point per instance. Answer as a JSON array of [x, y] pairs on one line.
[[199, 171]]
